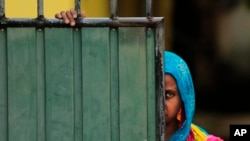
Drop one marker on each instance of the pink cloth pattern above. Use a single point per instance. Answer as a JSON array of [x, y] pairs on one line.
[[214, 138]]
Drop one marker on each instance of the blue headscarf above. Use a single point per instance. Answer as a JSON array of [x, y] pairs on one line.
[[177, 67]]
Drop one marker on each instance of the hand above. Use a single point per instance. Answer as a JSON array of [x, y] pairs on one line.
[[69, 16]]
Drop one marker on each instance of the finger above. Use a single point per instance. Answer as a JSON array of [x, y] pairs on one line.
[[83, 14], [58, 15], [73, 13], [70, 18], [64, 17]]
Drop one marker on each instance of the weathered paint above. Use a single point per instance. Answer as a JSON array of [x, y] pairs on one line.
[[22, 88], [79, 83], [86, 22]]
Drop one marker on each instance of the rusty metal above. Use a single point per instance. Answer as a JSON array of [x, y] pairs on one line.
[[149, 8], [113, 9], [78, 7], [40, 11], [86, 22], [2, 9], [160, 46]]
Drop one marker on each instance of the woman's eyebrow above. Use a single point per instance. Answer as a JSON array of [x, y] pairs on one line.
[[173, 91]]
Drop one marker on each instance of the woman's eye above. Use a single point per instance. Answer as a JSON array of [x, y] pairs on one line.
[[169, 94]]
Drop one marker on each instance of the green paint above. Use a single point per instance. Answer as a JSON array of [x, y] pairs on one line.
[[59, 84], [40, 85], [151, 93], [22, 114], [114, 85], [132, 84], [77, 84], [3, 87], [95, 83]]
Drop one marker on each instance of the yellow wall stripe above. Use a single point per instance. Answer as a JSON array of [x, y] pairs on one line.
[[28, 8]]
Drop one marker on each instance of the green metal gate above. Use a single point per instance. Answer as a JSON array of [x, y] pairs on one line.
[[100, 80]]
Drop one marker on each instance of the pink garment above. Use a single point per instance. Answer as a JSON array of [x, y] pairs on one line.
[[214, 138]]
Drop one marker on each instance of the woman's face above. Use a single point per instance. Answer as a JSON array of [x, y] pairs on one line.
[[172, 99]]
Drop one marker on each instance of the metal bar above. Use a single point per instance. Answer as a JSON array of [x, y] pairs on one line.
[[149, 8], [40, 8], [86, 22], [2, 13], [160, 47], [113, 6], [78, 7]]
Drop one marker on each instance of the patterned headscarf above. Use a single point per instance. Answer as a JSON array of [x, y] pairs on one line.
[[177, 67]]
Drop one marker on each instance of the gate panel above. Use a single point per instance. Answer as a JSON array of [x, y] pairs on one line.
[[22, 114], [96, 84], [83, 83], [59, 84], [99, 80], [132, 84]]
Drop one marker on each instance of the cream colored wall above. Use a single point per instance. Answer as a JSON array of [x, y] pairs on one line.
[[28, 8]]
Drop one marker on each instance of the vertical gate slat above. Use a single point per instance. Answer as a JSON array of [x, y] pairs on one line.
[[78, 84], [3, 88], [151, 96], [132, 84], [96, 84], [114, 85], [22, 89], [40, 85], [59, 84]]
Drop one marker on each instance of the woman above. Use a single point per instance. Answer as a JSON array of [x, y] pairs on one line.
[[180, 102]]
